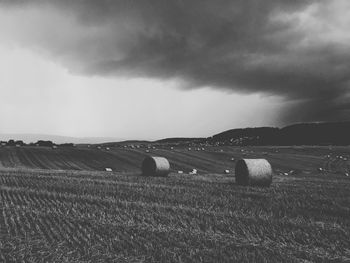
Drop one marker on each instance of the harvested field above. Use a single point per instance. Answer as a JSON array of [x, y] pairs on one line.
[[57, 205], [212, 160]]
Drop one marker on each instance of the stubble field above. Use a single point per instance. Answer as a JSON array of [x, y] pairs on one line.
[[58, 205]]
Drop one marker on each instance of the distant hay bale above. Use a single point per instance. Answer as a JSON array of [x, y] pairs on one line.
[[155, 166], [253, 172], [108, 169], [194, 171]]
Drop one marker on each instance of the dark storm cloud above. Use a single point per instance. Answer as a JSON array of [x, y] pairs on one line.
[[245, 46]]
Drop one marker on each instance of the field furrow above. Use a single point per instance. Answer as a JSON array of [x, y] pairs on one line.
[[4, 225]]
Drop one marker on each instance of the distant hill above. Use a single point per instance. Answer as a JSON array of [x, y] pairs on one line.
[[179, 140], [254, 135], [331, 133], [127, 142]]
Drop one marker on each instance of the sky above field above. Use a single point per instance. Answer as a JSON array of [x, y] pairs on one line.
[[152, 69]]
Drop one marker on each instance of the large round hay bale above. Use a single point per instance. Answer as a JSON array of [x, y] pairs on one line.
[[155, 166], [253, 172]]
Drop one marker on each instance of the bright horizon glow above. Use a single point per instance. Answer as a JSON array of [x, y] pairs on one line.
[[42, 97]]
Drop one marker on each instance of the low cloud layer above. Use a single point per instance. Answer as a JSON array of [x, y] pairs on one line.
[[298, 49]]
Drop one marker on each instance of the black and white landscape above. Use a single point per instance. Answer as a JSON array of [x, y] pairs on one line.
[[174, 131]]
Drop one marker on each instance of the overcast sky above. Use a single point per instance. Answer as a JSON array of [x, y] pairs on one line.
[[155, 68]]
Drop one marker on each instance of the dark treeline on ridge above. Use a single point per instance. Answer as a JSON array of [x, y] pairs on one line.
[[41, 143]]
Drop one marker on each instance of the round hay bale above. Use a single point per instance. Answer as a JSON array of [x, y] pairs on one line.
[[253, 172], [155, 166]]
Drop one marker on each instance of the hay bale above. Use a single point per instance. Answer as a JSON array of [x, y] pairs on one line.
[[155, 166], [194, 171], [253, 172]]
